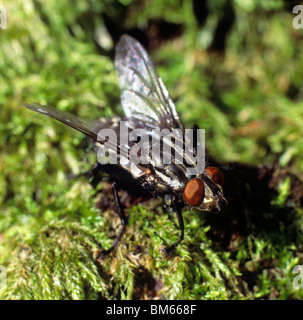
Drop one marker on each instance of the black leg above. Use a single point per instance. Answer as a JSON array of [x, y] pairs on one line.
[[168, 250], [89, 173], [119, 209], [93, 174]]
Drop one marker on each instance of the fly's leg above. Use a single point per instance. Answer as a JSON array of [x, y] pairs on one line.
[[169, 250], [119, 209], [89, 173]]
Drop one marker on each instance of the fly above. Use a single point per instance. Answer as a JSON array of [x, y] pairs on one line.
[[147, 105]]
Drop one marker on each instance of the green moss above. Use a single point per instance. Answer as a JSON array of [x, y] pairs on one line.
[[249, 101]]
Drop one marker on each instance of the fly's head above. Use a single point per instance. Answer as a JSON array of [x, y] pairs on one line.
[[205, 192]]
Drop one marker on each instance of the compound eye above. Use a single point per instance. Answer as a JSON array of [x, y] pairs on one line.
[[194, 192], [216, 174]]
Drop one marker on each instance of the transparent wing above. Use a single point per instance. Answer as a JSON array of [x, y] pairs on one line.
[[64, 117], [91, 130], [144, 97]]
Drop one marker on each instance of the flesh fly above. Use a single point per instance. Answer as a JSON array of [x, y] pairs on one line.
[[147, 106]]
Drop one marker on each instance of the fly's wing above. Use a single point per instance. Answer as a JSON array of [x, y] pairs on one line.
[[91, 130], [144, 97], [64, 117]]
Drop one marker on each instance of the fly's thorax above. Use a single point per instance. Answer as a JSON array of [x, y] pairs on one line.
[[172, 176]]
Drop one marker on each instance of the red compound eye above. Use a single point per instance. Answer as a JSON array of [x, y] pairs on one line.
[[194, 192], [216, 174]]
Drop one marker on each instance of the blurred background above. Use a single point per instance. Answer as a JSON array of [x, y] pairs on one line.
[[234, 67]]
